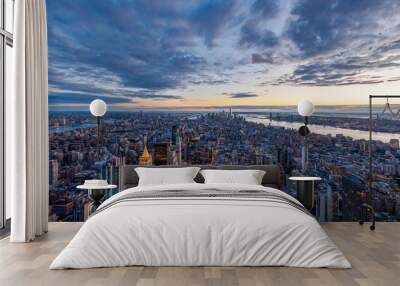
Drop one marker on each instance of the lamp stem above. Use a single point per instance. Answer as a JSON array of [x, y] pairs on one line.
[[305, 166], [98, 137]]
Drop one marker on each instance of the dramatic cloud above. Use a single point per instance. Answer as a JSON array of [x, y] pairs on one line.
[[119, 45], [342, 42], [342, 71], [252, 35], [127, 51], [68, 98], [321, 26], [265, 8], [211, 17], [241, 94], [263, 59]]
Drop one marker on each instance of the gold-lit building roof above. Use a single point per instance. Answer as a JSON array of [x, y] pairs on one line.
[[145, 158]]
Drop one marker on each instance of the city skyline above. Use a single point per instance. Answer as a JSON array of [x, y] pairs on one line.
[[222, 138], [186, 54]]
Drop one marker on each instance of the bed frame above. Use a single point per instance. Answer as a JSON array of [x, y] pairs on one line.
[[128, 178]]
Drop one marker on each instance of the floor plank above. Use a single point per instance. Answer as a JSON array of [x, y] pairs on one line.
[[375, 257]]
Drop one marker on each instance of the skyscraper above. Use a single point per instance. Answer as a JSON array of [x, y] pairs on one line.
[[176, 147], [324, 207], [161, 154], [179, 150], [53, 172], [174, 135]]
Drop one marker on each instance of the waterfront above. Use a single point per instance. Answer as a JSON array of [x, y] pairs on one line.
[[318, 129], [326, 130], [71, 128]]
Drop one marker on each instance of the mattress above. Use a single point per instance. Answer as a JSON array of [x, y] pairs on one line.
[[201, 225]]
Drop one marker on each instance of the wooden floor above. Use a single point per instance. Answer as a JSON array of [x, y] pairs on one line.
[[375, 257]]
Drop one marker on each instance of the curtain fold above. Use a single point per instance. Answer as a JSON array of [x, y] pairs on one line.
[[28, 123]]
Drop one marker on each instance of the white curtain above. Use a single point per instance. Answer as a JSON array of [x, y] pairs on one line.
[[27, 124]]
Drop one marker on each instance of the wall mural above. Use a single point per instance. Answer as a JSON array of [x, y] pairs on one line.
[[217, 82]]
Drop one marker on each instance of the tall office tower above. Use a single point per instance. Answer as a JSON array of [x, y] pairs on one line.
[[230, 112], [131, 157], [161, 154], [234, 158], [53, 172], [324, 207], [174, 135], [186, 149], [121, 160], [304, 158], [101, 167], [179, 150], [175, 155]]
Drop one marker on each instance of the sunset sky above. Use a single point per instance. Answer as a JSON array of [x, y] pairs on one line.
[[184, 53]]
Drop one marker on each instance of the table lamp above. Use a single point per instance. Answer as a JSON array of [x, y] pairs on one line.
[[305, 108], [98, 108]]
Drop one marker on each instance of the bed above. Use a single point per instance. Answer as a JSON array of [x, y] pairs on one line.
[[197, 224]]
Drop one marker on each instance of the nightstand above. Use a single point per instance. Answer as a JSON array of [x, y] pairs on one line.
[[305, 190], [96, 193]]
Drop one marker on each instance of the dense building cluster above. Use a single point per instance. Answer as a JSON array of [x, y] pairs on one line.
[[156, 138]]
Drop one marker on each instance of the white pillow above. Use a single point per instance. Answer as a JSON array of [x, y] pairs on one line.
[[166, 176], [248, 177]]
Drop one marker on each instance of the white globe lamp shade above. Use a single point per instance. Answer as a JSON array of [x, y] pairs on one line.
[[98, 107], [305, 107]]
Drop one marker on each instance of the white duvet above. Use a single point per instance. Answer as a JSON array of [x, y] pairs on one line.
[[193, 231]]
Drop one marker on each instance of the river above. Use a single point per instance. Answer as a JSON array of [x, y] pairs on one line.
[[326, 130], [319, 129], [71, 128]]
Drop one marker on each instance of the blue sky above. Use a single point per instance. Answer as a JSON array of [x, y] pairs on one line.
[[183, 53]]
